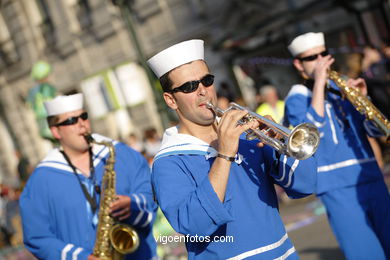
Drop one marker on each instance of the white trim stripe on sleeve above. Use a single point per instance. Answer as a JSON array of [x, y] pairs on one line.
[[141, 212], [327, 108], [316, 123], [76, 253], [150, 215], [284, 168], [260, 249], [148, 220], [65, 251], [293, 167]]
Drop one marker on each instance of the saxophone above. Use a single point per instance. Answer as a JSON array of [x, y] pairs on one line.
[[113, 240], [362, 104]]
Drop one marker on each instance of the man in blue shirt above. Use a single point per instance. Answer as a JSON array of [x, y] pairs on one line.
[[350, 183], [211, 184], [59, 205]]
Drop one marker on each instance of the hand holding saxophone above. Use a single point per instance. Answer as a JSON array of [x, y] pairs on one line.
[[120, 208]]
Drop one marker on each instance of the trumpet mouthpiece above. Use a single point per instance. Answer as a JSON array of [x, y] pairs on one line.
[[209, 105]]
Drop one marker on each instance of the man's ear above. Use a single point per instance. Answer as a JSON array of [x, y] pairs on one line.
[[55, 133], [297, 64], [170, 100]]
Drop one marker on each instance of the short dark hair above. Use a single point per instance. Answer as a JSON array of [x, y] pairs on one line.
[[52, 120], [166, 82]]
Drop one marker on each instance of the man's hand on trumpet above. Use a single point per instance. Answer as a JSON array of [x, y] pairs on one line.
[[229, 130], [267, 130]]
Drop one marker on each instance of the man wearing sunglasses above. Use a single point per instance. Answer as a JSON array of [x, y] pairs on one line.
[[350, 183], [60, 203], [212, 185]]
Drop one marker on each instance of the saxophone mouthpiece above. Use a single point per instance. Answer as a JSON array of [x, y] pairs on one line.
[[88, 137]]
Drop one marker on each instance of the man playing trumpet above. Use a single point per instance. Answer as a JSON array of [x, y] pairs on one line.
[[210, 183], [350, 183]]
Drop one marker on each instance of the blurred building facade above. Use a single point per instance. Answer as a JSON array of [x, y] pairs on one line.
[[91, 50]]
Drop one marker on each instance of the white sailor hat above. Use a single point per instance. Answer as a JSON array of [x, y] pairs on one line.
[[63, 104], [305, 42], [176, 55]]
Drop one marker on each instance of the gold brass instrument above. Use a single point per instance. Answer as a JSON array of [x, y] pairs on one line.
[[113, 240], [362, 104], [300, 143]]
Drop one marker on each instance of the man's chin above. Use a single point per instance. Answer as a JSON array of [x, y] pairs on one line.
[[84, 146], [207, 121]]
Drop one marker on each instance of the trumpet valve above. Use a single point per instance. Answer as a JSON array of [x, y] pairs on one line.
[[251, 136]]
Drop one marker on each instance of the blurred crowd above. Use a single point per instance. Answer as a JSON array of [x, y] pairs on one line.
[[10, 225], [11, 234], [148, 145]]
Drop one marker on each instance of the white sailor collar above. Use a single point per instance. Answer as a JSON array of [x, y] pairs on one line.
[[174, 143], [55, 159]]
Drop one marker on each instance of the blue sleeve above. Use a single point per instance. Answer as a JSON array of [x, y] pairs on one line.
[[189, 203], [38, 228], [368, 126], [371, 129], [142, 206], [297, 177], [298, 110]]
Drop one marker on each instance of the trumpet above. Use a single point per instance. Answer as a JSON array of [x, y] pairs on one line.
[[299, 143]]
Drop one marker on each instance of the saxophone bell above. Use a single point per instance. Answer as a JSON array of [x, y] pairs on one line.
[[124, 239]]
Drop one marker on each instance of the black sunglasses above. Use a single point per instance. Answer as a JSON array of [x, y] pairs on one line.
[[314, 56], [191, 86], [73, 120]]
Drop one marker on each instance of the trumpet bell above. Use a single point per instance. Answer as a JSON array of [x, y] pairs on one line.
[[303, 141]]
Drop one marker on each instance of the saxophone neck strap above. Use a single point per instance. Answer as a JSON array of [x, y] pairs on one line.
[[91, 199], [335, 91]]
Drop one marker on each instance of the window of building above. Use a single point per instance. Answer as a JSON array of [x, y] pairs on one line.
[[47, 25], [84, 14], [8, 54]]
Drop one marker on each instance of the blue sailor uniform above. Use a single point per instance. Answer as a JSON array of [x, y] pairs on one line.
[[58, 222], [350, 183], [249, 214]]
